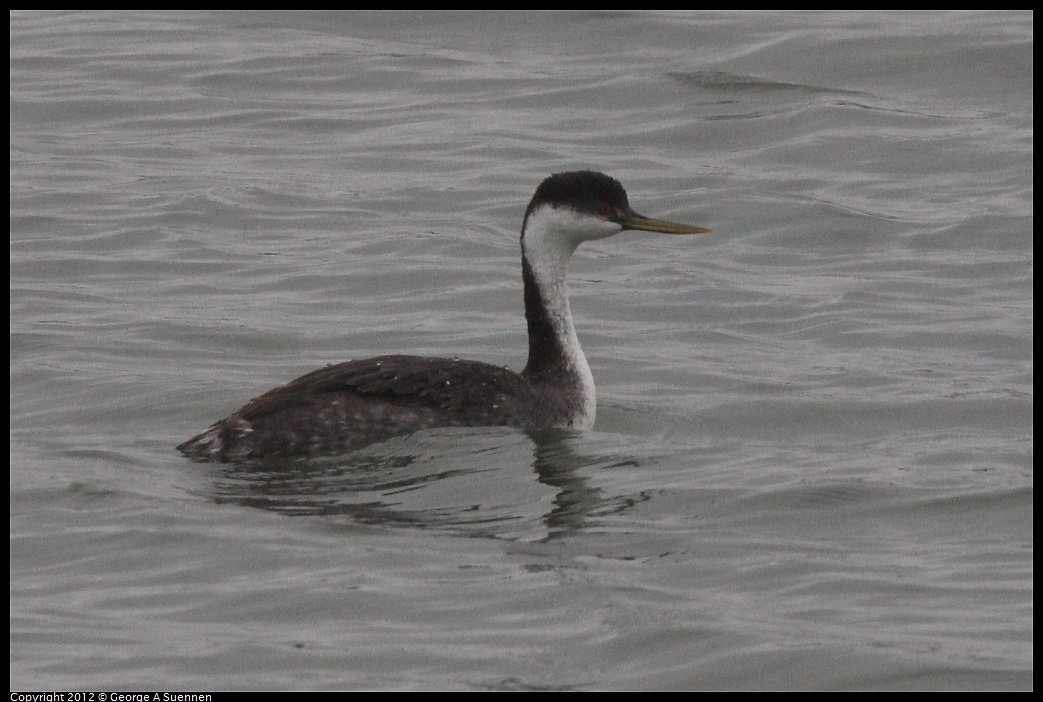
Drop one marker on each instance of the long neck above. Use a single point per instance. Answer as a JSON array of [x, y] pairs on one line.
[[555, 356]]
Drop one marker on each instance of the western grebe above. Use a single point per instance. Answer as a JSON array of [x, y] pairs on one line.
[[352, 404]]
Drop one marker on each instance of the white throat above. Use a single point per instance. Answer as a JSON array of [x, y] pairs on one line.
[[551, 236]]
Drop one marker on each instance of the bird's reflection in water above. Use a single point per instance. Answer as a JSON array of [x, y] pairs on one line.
[[498, 483]]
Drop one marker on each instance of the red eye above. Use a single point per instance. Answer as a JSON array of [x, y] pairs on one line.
[[606, 210]]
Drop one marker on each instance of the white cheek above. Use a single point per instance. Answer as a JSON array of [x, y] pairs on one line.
[[565, 229]]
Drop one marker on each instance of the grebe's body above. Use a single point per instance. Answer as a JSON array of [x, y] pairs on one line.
[[352, 404]]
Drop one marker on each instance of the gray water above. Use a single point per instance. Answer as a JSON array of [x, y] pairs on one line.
[[811, 467]]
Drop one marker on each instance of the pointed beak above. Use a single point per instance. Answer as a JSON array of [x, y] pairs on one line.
[[632, 220]]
